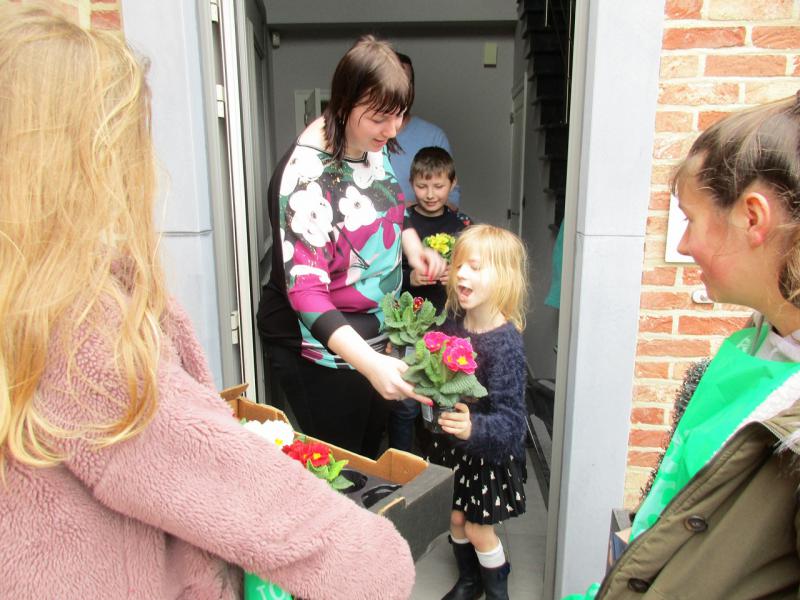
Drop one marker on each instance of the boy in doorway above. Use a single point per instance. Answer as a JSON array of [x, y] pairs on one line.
[[432, 177]]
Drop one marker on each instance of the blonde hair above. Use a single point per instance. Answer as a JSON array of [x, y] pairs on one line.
[[502, 252], [757, 144], [77, 182]]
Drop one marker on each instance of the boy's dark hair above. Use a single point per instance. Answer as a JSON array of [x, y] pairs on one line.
[[370, 72], [431, 161]]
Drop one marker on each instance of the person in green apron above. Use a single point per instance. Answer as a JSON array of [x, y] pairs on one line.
[[721, 518]]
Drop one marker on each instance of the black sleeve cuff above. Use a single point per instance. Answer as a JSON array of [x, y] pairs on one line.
[[326, 324]]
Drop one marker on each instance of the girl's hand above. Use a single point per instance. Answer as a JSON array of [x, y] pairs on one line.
[[385, 373], [457, 423], [444, 276]]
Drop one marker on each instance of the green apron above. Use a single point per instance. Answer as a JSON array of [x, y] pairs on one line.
[[733, 386]]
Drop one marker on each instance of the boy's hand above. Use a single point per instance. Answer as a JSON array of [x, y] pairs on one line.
[[457, 423]]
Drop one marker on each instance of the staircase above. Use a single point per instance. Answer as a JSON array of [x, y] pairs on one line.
[[547, 31]]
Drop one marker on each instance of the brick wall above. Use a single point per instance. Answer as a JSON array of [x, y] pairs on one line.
[[94, 14], [717, 56]]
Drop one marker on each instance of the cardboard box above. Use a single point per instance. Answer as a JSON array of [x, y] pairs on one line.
[[420, 509], [619, 535]]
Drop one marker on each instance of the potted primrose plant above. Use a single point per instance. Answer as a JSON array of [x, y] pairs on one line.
[[407, 318], [442, 367]]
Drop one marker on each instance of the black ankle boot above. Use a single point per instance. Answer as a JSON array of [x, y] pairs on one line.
[[469, 585], [495, 582]]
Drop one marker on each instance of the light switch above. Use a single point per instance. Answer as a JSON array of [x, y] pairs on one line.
[[490, 54]]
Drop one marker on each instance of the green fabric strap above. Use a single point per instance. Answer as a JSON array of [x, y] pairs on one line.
[[733, 386]]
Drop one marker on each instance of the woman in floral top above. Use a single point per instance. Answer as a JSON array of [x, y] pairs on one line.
[[337, 225]]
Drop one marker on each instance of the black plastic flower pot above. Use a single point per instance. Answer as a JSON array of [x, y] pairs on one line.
[[430, 417]]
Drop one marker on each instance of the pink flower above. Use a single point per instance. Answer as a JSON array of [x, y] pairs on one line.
[[434, 340], [458, 356]]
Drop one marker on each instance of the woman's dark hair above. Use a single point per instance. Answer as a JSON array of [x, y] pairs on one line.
[[758, 144], [369, 73]]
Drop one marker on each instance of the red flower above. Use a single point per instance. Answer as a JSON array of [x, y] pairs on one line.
[[458, 356], [418, 302], [319, 454], [435, 340]]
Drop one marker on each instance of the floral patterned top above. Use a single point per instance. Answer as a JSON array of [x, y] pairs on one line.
[[339, 226]]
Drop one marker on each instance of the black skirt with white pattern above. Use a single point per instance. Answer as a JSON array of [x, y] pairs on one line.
[[486, 493]]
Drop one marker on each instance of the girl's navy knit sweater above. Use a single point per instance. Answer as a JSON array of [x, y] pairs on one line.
[[498, 419]]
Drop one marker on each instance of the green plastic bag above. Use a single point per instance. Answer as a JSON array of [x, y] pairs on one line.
[[733, 386], [256, 588]]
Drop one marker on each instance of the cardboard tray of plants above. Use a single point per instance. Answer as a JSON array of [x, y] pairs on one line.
[[412, 493]]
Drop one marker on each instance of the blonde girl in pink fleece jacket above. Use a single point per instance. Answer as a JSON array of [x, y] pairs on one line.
[[123, 473]]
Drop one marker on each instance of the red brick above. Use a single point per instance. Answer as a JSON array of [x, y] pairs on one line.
[[673, 120], [661, 174], [651, 370], [710, 325], [703, 37], [683, 9], [650, 415], [659, 201], [659, 276], [702, 92], [637, 458], [673, 347], [656, 225], [103, 1], [677, 66], [672, 145], [707, 118], [691, 276], [796, 66], [648, 438], [655, 247], [752, 10], [106, 19], [655, 394], [746, 66], [679, 369], [776, 37], [665, 300], [649, 324], [767, 90]]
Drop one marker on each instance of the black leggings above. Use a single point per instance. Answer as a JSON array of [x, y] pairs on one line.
[[338, 406]]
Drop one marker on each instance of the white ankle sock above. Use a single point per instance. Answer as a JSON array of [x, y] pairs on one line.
[[493, 558], [459, 540]]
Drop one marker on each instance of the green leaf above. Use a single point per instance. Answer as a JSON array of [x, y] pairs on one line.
[[335, 468], [340, 483]]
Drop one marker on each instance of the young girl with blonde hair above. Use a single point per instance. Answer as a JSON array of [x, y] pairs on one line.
[[487, 293], [124, 474], [721, 518]]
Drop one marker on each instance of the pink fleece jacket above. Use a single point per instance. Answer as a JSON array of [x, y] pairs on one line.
[[178, 510]]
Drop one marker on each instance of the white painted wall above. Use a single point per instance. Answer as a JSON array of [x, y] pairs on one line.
[[170, 42], [614, 91]]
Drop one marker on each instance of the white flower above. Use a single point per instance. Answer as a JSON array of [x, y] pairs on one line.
[[279, 433], [299, 270], [313, 215], [370, 170], [305, 165], [357, 209], [288, 247]]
